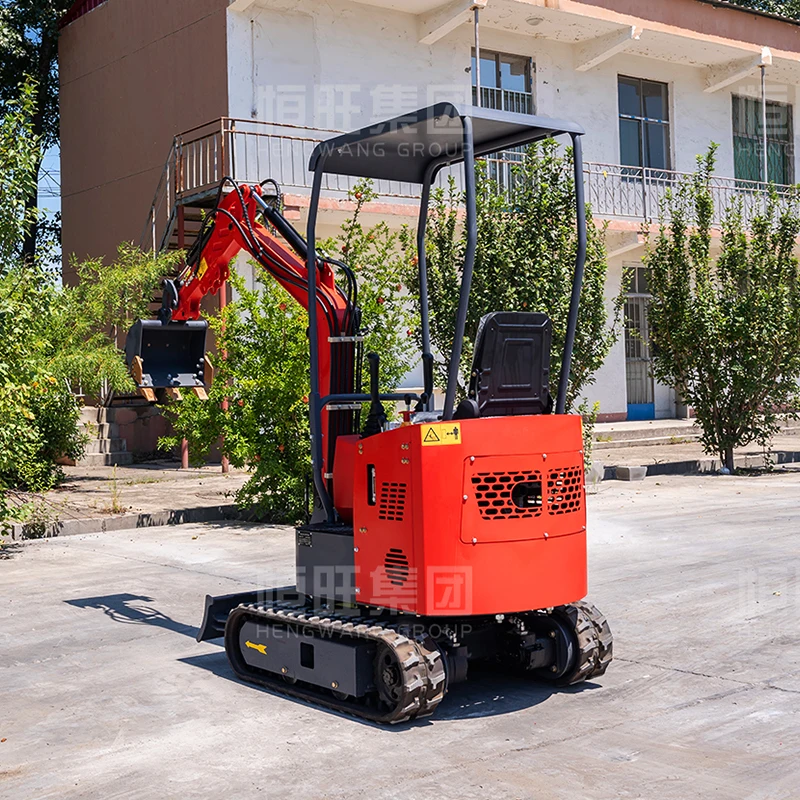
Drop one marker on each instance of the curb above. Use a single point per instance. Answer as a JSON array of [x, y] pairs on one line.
[[157, 519], [710, 464]]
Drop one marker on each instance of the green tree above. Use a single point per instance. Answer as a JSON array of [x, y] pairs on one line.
[[524, 262], [93, 315], [18, 169], [726, 331], [29, 50], [379, 257], [783, 8]]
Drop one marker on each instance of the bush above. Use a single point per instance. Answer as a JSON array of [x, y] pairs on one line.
[[38, 414], [263, 380], [53, 340]]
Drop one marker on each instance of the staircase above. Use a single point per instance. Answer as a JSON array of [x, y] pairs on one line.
[[105, 448]]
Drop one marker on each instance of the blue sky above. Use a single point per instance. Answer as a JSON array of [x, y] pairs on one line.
[[50, 181]]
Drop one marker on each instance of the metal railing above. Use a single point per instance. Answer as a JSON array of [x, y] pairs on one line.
[[250, 151], [504, 100], [247, 151], [617, 191]]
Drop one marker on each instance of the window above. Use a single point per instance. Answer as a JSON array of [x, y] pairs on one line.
[[643, 123], [506, 85], [506, 82], [748, 140]]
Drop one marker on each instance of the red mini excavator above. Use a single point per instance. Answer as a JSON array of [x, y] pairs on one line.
[[457, 536]]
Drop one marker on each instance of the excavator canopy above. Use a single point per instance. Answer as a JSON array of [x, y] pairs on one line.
[[406, 147]]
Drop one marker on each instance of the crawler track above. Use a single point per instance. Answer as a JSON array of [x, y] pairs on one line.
[[409, 673]]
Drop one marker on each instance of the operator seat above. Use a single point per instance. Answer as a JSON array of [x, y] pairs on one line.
[[510, 367]]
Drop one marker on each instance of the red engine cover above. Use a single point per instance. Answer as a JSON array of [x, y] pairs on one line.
[[482, 516]]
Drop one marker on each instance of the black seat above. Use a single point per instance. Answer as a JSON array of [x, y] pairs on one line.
[[511, 365]]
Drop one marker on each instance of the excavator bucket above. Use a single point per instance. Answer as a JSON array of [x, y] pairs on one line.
[[170, 357]]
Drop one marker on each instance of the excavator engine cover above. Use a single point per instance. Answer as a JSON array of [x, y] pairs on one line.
[[171, 356]]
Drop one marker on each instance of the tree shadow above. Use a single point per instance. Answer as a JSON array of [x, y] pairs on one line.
[[9, 550], [133, 609]]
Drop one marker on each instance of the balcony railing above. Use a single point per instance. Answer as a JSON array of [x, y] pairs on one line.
[[249, 152], [617, 191], [504, 100]]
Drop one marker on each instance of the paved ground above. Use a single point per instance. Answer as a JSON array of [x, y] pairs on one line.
[[105, 694]]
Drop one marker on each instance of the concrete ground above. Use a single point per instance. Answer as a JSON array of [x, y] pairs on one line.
[[105, 694]]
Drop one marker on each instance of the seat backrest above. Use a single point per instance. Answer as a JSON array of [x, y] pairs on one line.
[[511, 365]]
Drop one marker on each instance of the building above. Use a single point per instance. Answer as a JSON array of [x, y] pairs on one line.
[[161, 99]]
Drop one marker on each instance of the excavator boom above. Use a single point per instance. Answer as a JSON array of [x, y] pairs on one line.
[[169, 354]]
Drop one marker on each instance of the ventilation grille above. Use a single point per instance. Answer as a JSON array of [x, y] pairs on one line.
[[392, 502], [396, 566], [508, 495], [564, 490]]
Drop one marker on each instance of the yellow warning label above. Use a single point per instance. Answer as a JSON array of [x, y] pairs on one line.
[[202, 269], [441, 433], [262, 648]]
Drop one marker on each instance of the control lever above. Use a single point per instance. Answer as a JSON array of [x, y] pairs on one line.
[[376, 420]]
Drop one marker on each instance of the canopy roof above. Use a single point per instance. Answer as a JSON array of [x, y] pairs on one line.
[[403, 148]]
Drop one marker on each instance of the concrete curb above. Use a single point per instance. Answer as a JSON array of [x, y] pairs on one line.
[[710, 464], [74, 527]]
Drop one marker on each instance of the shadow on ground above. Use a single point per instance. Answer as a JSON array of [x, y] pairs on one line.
[[9, 549], [488, 693], [133, 609]]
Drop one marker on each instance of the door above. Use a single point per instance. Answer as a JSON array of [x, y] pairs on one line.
[[638, 368]]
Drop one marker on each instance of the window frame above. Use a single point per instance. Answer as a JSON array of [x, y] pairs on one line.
[[642, 121], [787, 144], [497, 57]]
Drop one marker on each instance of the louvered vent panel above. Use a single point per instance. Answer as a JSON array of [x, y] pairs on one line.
[[396, 566], [564, 490], [392, 502]]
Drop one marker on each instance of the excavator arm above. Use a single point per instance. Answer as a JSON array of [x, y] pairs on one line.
[[168, 354]]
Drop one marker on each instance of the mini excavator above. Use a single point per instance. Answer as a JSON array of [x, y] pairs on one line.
[[457, 536]]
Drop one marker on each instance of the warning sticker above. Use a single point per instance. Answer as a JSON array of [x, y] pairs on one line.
[[441, 433]]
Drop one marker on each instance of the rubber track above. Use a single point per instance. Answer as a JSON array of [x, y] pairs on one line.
[[420, 661], [595, 643]]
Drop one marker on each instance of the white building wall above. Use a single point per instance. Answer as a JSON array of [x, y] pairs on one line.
[[340, 65]]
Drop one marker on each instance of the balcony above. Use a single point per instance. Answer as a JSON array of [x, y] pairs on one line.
[[504, 100], [250, 151]]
